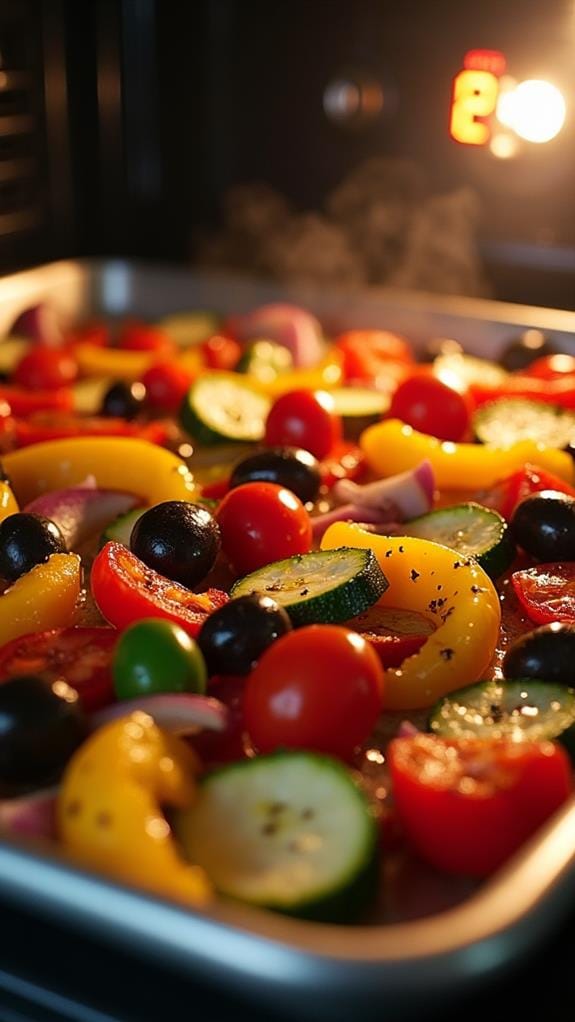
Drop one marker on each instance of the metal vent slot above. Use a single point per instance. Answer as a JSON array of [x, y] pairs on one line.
[[23, 186]]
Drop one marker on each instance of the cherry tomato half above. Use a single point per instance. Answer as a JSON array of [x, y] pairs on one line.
[[468, 804], [261, 523], [126, 590], [166, 383], [319, 688], [82, 656], [44, 368], [551, 367], [304, 418], [432, 407], [547, 592]]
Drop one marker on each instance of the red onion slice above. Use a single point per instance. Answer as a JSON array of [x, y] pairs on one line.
[[408, 494], [289, 325], [182, 714], [80, 511], [31, 815]]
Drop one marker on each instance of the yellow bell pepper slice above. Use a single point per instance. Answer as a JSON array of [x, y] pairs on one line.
[[117, 463], [391, 447], [325, 376], [8, 502], [117, 363], [45, 597], [454, 592], [108, 811]]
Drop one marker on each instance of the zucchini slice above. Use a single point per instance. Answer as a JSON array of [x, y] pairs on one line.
[[289, 831], [522, 710], [508, 420], [223, 408], [470, 529], [359, 408], [324, 587], [265, 360], [120, 530], [469, 370]]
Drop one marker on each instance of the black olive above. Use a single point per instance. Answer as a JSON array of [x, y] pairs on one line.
[[41, 726], [25, 541], [523, 350], [234, 637], [544, 525], [179, 540], [547, 653], [291, 467], [123, 400]]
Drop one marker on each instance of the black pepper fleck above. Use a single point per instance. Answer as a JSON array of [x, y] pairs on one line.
[[414, 574], [447, 653]]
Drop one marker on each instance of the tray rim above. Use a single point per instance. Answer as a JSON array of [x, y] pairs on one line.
[[300, 955]]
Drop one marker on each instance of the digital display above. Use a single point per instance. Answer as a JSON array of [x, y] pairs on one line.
[[489, 107]]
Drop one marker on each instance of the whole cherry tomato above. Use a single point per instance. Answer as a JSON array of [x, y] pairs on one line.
[[221, 352], [367, 354], [44, 368], [304, 418], [136, 336], [430, 406], [261, 523], [166, 383], [468, 804], [319, 688]]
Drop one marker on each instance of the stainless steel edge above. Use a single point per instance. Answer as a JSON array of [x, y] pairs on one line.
[[261, 953]]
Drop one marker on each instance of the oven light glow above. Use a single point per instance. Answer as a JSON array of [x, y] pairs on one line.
[[534, 110], [504, 146]]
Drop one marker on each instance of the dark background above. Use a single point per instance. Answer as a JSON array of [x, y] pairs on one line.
[[124, 122]]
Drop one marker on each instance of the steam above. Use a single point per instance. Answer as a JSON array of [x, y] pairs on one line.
[[379, 226]]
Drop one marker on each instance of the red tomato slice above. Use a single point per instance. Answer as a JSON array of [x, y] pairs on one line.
[[52, 426], [547, 592], [467, 805], [26, 402], [507, 493], [82, 656], [394, 634], [126, 590]]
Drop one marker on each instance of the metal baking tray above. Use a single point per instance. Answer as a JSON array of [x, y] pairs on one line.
[[463, 937]]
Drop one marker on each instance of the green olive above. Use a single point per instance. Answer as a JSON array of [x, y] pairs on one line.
[[155, 656]]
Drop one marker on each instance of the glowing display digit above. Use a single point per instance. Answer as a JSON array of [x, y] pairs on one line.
[[474, 95]]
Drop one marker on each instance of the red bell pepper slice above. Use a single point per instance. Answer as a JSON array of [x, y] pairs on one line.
[[126, 590], [509, 492], [559, 391], [467, 805], [41, 427], [27, 402]]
